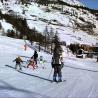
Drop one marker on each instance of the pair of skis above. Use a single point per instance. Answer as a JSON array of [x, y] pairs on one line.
[[58, 81]]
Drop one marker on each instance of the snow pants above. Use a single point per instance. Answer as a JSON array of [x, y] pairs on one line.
[[18, 65], [31, 64], [57, 71], [35, 61]]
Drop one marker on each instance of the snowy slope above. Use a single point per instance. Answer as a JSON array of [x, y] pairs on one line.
[[80, 75], [63, 23], [73, 2]]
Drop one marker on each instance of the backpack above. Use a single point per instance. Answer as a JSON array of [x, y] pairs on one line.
[[56, 60]]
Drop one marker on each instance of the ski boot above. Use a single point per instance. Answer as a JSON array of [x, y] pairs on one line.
[[59, 79], [54, 79]]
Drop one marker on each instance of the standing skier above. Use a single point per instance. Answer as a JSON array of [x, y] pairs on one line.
[[57, 60], [35, 57], [18, 61], [57, 66]]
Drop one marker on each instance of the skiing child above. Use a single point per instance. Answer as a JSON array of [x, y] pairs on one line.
[[31, 63], [41, 61], [18, 61]]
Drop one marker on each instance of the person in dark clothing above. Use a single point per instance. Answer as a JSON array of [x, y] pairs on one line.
[[18, 61], [56, 65], [35, 57], [56, 59]]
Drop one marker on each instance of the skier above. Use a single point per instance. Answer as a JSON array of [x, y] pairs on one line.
[[41, 61], [18, 61], [35, 57], [56, 64], [31, 63], [56, 59]]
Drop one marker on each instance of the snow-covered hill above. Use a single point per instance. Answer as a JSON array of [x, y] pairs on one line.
[[73, 2], [81, 75], [73, 25]]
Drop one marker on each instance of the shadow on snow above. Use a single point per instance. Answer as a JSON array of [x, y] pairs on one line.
[[30, 74]]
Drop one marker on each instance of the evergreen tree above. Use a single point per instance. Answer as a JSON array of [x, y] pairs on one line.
[[57, 47], [10, 33], [51, 39], [45, 34], [24, 1], [44, 2]]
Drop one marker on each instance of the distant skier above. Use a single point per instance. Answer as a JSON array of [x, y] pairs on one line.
[[35, 57], [18, 61], [41, 61], [57, 64], [31, 63]]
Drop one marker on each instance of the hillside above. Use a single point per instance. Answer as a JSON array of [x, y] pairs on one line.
[[27, 23], [74, 23]]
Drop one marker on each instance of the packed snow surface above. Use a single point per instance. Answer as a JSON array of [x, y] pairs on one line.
[[81, 75]]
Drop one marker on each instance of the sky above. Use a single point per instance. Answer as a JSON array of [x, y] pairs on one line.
[[90, 3]]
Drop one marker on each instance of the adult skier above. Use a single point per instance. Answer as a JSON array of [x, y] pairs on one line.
[[18, 61], [57, 60], [57, 66]]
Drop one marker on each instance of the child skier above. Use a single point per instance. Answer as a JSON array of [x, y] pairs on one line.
[[18, 61], [31, 63], [41, 61]]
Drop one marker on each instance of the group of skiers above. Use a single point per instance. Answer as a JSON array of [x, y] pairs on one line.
[[56, 63], [32, 62]]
